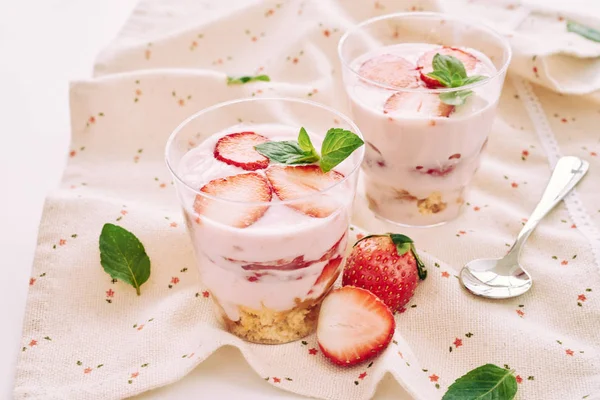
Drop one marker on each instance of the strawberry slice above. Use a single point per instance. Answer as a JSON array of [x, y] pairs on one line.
[[437, 171], [250, 187], [354, 326], [238, 149], [391, 70], [334, 249], [422, 104], [425, 67], [290, 264], [279, 265], [330, 272], [293, 182]]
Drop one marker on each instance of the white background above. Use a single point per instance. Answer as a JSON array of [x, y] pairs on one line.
[[45, 44]]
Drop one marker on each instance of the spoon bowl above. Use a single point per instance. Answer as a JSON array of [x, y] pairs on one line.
[[502, 278], [483, 278]]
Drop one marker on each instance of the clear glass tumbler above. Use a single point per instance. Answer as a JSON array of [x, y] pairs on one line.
[[269, 261], [421, 151]]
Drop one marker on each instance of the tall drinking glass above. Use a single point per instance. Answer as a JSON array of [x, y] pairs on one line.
[[424, 135], [269, 238]]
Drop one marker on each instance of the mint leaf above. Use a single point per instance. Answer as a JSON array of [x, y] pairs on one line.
[[449, 64], [582, 30], [337, 146], [245, 79], [286, 152], [457, 98], [306, 145], [123, 256], [403, 244], [449, 71], [484, 383]]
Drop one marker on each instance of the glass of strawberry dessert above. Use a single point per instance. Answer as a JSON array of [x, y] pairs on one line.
[[423, 88], [266, 187]]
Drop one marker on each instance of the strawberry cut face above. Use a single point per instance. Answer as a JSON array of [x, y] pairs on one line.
[[294, 182], [237, 149], [390, 70], [354, 326], [250, 187]]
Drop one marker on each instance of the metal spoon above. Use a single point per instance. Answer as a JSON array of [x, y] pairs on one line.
[[504, 278]]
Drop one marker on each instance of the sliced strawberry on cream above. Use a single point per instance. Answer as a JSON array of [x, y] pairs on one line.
[[291, 263], [237, 149], [279, 265], [354, 326], [390, 70], [417, 104], [306, 182], [340, 246], [424, 63], [330, 272], [239, 189]]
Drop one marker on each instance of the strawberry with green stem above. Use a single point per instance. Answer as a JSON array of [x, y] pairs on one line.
[[388, 266]]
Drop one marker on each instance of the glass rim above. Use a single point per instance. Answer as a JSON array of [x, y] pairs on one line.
[[419, 14], [214, 107]]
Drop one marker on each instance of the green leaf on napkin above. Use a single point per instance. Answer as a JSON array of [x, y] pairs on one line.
[[582, 30], [123, 256], [245, 79], [488, 382]]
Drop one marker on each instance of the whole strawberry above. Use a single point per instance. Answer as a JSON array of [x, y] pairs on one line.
[[386, 265]]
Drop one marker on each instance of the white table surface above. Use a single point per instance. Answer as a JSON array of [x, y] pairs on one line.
[[44, 44]]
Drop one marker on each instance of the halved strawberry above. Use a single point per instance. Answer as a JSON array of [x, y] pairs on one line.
[[423, 104], [424, 63], [250, 187], [391, 70], [238, 149], [386, 265], [354, 326], [293, 182]]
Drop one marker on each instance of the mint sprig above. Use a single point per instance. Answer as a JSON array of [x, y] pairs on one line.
[[123, 256], [486, 382], [584, 31], [245, 79], [450, 72], [337, 146]]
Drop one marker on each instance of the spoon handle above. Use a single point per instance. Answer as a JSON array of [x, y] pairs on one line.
[[568, 172]]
